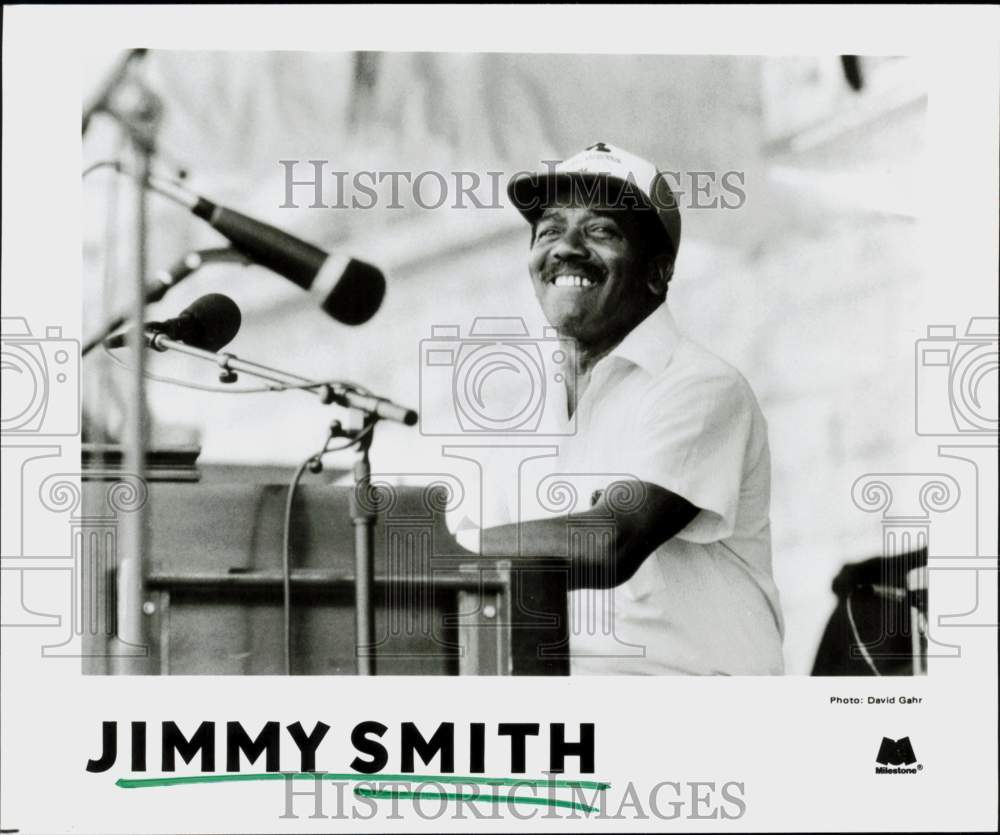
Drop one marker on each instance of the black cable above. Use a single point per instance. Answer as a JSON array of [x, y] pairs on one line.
[[178, 172], [314, 463], [287, 560], [104, 163], [862, 648]]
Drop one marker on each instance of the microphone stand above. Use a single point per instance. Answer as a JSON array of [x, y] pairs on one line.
[[101, 102], [141, 124], [363, 519], [363, 514]]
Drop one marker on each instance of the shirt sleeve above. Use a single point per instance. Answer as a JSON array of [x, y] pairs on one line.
[[695, 438]]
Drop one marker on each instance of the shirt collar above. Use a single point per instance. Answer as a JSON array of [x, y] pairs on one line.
[[651, 343]]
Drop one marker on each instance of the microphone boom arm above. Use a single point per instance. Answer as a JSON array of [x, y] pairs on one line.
[[342, 395]]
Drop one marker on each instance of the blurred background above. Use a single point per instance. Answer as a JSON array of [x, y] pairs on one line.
[[814, 287]]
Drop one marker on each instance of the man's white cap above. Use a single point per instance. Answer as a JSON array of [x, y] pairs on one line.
[[612, 178]]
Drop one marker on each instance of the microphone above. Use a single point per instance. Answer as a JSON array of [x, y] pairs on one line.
[[209, 323], [214, 320], [167, 278], [347, 289], [378, 406]]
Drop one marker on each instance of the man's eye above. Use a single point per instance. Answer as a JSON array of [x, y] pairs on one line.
[[603, 231], [547, 232]]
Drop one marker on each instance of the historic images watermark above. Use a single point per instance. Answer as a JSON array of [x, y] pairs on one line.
[[494, 381], [315, 184], [382, 779], [41, 399], [432, 798], [41, 380], [956, 399], [88, 575], [488, 397]]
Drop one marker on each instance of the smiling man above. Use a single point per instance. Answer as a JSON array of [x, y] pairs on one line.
[[677, 579]]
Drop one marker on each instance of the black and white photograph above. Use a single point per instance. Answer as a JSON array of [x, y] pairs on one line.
[[508, 408], [606, 330]]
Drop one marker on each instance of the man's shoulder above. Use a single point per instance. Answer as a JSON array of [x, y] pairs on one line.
[[696, 369]]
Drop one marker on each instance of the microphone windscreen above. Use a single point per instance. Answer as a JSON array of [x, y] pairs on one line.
[[357, 295], [210, 323]]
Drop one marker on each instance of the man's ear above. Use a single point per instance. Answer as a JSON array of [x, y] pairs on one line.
[[661, 270]]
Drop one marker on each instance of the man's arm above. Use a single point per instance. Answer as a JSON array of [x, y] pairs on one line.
[[644, 516]]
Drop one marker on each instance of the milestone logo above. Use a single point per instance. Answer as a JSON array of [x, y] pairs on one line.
[[895, 756]]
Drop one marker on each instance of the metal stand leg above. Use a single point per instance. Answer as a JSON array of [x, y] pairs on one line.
[[363, 517], [135, 537]]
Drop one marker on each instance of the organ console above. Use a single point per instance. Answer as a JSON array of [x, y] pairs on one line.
[[213, 581]]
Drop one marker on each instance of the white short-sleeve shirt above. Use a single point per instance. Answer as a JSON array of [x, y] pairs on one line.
[[661, 409]]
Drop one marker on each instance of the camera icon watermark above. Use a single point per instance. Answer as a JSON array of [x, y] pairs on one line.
[[41, 380], [956, 396], [594, 609], [956, 379], [523, 483], [95, 611], [498, 380], [84, 582], [409, 525]]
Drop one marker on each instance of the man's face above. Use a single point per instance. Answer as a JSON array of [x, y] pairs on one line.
[[589, 274]]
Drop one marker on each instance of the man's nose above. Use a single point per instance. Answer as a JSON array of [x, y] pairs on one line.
[[569, 246]]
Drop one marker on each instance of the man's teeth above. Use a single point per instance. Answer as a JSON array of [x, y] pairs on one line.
[[573, 281]]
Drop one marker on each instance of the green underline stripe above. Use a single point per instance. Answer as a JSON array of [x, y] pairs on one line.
[[388, 794], [152, 782]]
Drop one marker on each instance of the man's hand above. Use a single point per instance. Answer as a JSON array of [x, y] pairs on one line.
[[641, 517]]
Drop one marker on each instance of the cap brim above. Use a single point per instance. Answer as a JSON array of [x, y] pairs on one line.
[[533, 192]]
